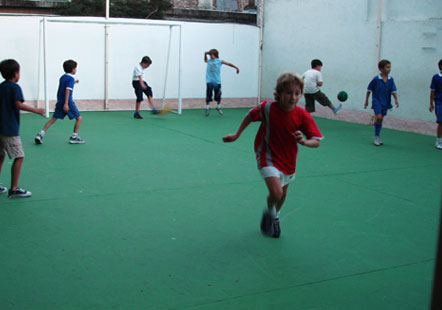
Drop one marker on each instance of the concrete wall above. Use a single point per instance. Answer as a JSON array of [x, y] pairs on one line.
[[128, 43], [343, 35]]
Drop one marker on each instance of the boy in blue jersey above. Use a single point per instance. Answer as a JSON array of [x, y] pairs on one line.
[[213, 78], [382, 87], [65, 104], [436, 97], [11, 102]]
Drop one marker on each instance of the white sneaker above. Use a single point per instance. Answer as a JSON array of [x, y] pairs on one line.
[[438, 145], [337, 108], [377, 141]]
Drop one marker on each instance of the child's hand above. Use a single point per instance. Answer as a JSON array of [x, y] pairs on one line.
[[230, 138], [431, 107], [77, 81], [66, 108], [397, 104], [41, 111], [365, 104], [237, 70], [299, 137]]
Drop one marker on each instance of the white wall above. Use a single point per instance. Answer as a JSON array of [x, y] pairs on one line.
[[128, 43], [343, 35]]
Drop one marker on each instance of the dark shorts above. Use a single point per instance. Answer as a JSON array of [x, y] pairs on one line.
[[380, 109], [139, 90], [438, 111], [213, 88], [73, 112], [319, 97]]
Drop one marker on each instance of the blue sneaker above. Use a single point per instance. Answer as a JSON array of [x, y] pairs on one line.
[[3, 189], [18, 192], [266, 223], [276, 228], [76, 140], [337, 108]]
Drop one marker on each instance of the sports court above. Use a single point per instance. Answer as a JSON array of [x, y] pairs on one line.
[[161, 214]]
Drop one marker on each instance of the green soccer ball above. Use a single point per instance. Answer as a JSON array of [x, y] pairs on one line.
[[342, 96]]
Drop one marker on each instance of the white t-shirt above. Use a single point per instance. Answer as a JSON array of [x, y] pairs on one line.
[[311, 79], [138, 70]]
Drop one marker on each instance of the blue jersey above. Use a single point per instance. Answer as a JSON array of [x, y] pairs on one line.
[[381, 92], [67, 81], [10, 92], [213, 71], [436, 86]]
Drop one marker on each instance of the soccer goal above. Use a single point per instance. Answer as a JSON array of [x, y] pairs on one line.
[[85, 40]]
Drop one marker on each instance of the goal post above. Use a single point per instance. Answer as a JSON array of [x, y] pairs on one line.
[[108, 22]]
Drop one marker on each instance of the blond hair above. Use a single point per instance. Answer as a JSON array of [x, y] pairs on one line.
[[284, 80]]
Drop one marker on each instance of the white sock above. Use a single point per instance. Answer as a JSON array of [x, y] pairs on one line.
[[74, 134], [218, 106], [41, 133], [207, 107], [273, 212]]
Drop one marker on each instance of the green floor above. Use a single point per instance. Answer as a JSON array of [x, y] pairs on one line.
[[159, 213]]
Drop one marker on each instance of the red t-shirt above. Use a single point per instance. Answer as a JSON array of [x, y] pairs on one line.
[[274, 142]]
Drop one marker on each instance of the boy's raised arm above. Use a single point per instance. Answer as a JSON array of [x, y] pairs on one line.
[[230, 65], [244, 123]]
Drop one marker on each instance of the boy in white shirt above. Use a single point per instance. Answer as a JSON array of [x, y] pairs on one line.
[[140, 86], [312, 81]]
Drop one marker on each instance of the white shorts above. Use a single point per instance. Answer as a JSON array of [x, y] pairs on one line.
[[270, 171]]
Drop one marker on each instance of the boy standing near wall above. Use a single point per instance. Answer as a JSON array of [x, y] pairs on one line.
[[11, 102], [382, 87], [213, 78], [436, 97], [65, 104], [140, 86], [312, 81]]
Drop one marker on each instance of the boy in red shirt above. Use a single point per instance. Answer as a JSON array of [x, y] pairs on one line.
[[283, 127]]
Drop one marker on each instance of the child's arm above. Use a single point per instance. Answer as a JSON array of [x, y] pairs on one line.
[[395, 99], [245, 122], [230, 65], [205, 56], [431, 101], [144, 86], [24, 107], [366, 99], [306, 142], [66, 100]]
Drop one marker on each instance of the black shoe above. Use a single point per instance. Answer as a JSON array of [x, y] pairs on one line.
[[18, 192], [137, 115], [266, 224], [276, 228]]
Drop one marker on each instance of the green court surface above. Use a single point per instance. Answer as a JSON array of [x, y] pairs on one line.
[[159, 213]]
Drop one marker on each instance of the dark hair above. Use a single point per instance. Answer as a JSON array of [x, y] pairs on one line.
[[214, 52], [8, 68], [69, 65], [383, 63], [440, 64], [146, 60], [316, 63]]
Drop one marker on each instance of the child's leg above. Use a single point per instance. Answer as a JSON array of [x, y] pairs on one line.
[[2, 159], [137, 106], [77, 124], [378, 124], [217, 90], [15, 172], [49, 123], [282, 200], [323, 100], [439, 130], [276, 194], [150, 100]]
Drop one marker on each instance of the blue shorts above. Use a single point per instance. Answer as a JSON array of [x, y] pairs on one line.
[[216, 88], [59, 113], [139, 90], [438, 111], [380, 109]]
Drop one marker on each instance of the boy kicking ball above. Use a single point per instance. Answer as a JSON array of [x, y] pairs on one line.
[[283, 126]]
